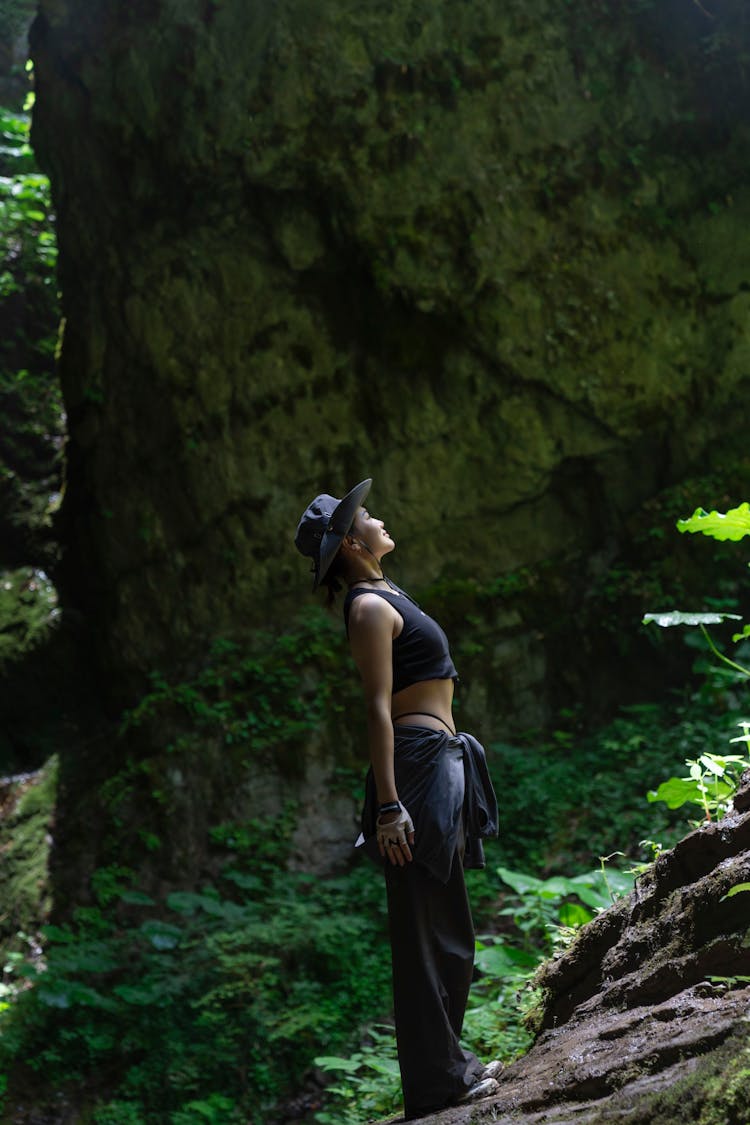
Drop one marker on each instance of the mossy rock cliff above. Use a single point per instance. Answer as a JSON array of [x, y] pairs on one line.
[[487, 254]]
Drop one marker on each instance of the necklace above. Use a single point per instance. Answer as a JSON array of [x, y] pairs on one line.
[[357, 580]]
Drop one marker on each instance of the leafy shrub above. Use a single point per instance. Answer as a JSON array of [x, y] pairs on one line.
[[257, 700], [567, 800], [207, 1006], [32, 422]]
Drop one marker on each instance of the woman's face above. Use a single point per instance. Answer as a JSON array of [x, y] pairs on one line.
[[372, 532]]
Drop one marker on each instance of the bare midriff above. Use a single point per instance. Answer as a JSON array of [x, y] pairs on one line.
[[425, 704]]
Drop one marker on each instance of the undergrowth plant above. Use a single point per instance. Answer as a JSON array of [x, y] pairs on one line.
[[367, 1084], [543, 910], [32, 420], [497, 1021], [711, 782], [255, 700], [210, 1002], [712, 778]]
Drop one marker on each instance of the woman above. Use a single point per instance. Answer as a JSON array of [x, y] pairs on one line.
[[428, 799]]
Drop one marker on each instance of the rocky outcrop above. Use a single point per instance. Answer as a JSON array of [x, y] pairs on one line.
[[645, 1017], [484, 253]]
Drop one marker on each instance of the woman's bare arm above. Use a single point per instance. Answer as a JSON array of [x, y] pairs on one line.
[[371, 625], [372, 622]]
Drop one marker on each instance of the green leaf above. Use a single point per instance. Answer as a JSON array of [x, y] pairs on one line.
[[59, 933], [162, 935], [494, 960], [520, 882], [65, 994], [734, 524], [676, 617], [383, 1066], [136, 898], [573, 914], [331, 1062], [141, 995], [735, 890], [246, 882], [676, 792]]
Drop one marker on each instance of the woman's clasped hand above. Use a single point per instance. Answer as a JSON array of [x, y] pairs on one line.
[[395, 832]]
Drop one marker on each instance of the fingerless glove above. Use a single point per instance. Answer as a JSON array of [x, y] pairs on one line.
[[394, 831]]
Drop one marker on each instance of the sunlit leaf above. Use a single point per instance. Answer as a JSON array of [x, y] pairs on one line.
[[573, 914], [494, 960], [675, 792], [383, 1066], [676, 617], [734, 524], [736, 889]]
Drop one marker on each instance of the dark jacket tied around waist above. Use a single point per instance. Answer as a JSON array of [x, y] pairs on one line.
[[442, 781]]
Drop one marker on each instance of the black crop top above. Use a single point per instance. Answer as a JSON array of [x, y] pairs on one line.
[[420, 651]]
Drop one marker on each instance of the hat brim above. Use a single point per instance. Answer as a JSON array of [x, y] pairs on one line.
[[339, 525]]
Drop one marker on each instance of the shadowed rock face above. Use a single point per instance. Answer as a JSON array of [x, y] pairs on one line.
[[485, 253], [633, 1028]]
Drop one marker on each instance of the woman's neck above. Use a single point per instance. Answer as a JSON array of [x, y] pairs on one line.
[[366, 578]]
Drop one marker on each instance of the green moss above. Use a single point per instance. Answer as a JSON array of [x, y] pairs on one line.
[[713, 1093]]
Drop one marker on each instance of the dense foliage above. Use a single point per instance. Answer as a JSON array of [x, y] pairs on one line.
[[214, 1004], [208, 1002], [31, 414]]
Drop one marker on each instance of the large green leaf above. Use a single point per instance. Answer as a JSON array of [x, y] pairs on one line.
[[520, 882], [676, 617], [734, 524], [573, 914], [736, 889], [500, 960], [676, 792]]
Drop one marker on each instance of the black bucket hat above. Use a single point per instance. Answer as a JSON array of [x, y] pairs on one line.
[[324, 524]]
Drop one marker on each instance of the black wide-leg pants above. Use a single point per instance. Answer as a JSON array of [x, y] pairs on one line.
[[432, 945]]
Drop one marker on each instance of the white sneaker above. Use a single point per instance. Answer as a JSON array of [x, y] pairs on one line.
[[484, 1088], [493, 1069]]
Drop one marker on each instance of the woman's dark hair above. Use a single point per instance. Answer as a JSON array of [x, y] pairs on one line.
[[334, 578]]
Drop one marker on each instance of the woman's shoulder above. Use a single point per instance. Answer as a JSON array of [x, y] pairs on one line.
[[365, 608]]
